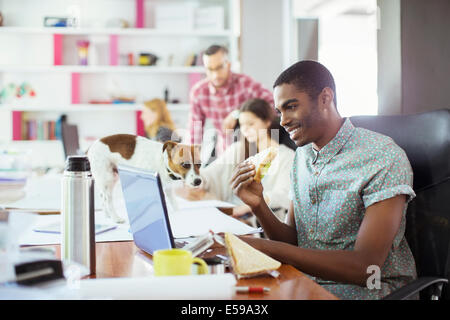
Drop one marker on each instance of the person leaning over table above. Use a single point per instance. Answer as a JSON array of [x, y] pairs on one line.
[[256, 119], [219, 96], [349, 193]]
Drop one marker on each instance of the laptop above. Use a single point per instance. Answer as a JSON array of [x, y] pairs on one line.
[[147, 213]]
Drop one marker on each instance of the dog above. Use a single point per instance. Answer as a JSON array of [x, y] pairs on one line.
[[172, 160]]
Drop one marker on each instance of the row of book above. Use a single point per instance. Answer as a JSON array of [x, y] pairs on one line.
[[41, 130]]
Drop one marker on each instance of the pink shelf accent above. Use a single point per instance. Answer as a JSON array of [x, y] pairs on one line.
[[139, 13], [140, 131], [57, 49], [75, 87], [113, 50], [17, 125]]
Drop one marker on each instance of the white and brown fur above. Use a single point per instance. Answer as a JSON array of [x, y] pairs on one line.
[[171, 160]]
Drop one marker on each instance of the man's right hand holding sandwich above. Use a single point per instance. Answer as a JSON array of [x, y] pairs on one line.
[[246, 184]]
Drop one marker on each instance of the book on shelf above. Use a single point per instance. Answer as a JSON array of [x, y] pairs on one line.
[[35, 129]]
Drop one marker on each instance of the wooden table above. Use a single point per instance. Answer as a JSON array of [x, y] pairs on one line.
[[124, 259]]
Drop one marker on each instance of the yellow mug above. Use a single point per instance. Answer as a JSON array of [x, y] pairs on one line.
[[176, 262]]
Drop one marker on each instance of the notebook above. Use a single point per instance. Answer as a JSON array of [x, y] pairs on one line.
[[56, 228], [147, 213]]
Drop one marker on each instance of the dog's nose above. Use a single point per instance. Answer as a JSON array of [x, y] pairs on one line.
[[197, 182]]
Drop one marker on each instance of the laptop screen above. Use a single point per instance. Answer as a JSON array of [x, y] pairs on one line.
[[70, 140], [146, 208]]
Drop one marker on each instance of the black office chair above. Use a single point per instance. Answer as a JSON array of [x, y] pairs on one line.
[[425, 138]]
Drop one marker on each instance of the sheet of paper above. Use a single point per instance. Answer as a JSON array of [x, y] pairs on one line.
[[120, 233], [198, 221], [194, 287], [186, 204]]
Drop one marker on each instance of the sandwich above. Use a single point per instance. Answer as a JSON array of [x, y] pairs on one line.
[[262, 162], [246, 260]]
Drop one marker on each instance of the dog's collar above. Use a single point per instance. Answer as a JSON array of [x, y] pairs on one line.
[[172, 176]]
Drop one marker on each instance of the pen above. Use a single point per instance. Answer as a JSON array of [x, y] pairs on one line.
[[252, 289]]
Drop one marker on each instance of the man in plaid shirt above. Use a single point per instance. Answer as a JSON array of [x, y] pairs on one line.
[[218, 95]]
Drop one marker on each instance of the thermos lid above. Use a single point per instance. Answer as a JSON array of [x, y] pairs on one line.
[[77, 164]]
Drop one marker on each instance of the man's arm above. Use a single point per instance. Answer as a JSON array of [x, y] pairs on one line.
[[375, 237], [196, 121]]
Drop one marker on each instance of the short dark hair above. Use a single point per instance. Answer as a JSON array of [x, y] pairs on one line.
[[213, 49], [308, 76]]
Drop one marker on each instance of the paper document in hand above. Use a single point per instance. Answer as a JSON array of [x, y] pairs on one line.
[[196, 222]]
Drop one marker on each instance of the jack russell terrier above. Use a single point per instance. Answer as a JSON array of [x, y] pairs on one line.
[[171, 160]]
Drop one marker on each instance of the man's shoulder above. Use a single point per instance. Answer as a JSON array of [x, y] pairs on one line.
[[373, 143], [243, 80], [200, 86], [369, 138]]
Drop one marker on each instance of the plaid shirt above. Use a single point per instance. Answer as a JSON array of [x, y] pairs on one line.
[[208, 102]]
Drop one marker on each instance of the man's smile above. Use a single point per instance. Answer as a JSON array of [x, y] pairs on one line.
[[293, 131]]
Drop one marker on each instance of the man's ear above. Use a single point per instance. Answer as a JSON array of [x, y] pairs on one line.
[[169, 145], [326, 96]]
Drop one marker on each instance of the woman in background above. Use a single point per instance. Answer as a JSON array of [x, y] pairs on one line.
[[256, 119], [158, 123]]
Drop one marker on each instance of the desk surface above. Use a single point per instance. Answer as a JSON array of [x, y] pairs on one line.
[[124, 259]]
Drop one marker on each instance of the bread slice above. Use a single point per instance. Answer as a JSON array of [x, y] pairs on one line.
[[262, 162], [246, 260]]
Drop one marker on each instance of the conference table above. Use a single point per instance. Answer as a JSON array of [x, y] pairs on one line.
[[124, 259]]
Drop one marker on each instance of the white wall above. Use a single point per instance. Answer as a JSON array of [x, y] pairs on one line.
[[389, 57], [265, 33]]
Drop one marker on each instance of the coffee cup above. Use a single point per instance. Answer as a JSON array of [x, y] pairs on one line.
[[176, 262]]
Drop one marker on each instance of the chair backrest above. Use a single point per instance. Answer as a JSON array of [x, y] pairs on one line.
[[425, 138]]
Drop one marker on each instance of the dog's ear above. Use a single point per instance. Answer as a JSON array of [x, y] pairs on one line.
[[169, 145]]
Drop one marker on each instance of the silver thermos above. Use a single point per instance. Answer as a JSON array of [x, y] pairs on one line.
[[77, 213]]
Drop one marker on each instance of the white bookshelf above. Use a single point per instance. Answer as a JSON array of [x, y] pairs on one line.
[[116, 31], [175, 107], [29, 57], [102, 69]]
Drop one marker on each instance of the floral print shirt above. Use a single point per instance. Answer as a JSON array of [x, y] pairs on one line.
[[331, 190]]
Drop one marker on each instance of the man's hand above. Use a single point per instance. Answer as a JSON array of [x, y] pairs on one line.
[[229, 122], [245, 187]]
